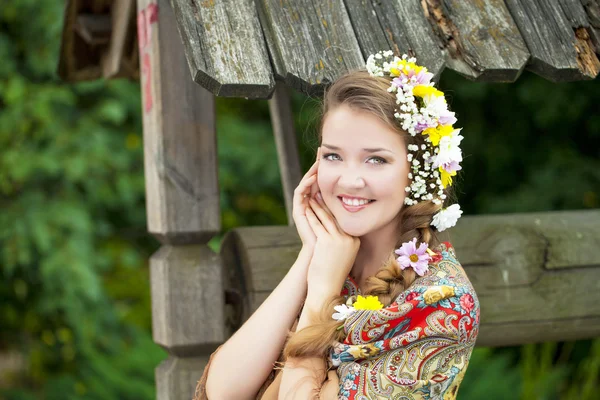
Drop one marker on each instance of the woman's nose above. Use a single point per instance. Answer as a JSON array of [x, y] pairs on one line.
[[352, 181]]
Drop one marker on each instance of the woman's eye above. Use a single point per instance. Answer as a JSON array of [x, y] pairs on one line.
[[330, 156], [377, 160]]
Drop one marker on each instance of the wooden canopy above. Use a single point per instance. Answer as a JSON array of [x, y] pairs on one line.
[[239, 48]]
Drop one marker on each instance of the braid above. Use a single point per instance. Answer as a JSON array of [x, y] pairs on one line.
[[390, 280]]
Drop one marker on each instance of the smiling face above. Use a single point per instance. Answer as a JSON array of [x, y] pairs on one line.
[[363, 171]]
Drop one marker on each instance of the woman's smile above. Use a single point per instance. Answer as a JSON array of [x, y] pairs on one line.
[[354, 204]]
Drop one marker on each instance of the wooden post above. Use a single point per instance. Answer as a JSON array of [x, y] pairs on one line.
[[115, 58], [182, 200], [282, 120]]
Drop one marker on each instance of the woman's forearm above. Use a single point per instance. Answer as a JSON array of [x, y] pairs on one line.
[[303, 378], [251, 352]]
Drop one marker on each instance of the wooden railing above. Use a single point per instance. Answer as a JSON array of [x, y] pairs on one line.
[[537, 275]]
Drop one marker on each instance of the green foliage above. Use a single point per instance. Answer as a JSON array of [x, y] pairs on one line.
[[72, 222], [529, 146]]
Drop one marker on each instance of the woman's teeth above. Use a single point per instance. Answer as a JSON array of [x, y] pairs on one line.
[[355, 202]]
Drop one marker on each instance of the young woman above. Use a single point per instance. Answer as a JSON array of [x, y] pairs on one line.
[[386, 310]]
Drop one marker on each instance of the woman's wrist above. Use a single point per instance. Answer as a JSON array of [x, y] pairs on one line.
[[306, 253]]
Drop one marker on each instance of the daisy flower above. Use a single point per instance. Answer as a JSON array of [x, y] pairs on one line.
[[411, 256], [343, 312]]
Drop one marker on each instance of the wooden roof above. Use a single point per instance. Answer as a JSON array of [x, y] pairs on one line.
[[239, 48]]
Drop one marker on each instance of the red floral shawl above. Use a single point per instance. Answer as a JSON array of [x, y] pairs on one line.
[[416, 348]]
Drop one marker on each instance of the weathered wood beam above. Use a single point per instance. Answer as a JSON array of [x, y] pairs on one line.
[[481, 39], [180, 145], [399, 26], [225, 48], [311, 42], [557, 36], [537, 275], [122, 30], [282, 120], [182, 200], [592, 9]]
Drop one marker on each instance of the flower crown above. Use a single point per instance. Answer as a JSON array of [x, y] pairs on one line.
[[423, 110]]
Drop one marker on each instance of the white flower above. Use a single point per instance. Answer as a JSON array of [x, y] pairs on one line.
[[449, 149], [435, 105], [446, 217], [343, 312]]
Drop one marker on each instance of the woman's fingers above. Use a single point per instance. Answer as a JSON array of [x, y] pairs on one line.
[[328, 211], [302, 190], [314, 222], [312, 169], [325, 217]]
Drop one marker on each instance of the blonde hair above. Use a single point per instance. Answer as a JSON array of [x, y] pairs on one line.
[[362, 92]]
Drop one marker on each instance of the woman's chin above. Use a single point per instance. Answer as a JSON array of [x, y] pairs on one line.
[[354, 230]]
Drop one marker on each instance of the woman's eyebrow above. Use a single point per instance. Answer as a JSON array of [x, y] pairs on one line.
[[368, 150]]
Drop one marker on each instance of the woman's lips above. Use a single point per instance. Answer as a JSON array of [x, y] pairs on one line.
[[354, 209]]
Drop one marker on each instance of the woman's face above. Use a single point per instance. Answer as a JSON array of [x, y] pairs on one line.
[[362, 159]]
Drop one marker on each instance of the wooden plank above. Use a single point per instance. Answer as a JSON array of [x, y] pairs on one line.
[[559, 50], [482, 40], [586, 39], [592, 9], [225, 48], [282, 120], [180, 165], [311, 42], [123, 17], [368, 31], [516, 262], [397, 25]]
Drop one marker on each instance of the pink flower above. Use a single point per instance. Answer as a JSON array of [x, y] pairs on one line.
[[467, 302], [423, 78], [411, 256], [451, 167], [447, 118]]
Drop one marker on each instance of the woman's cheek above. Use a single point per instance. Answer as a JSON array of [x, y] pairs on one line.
[[325, 180]]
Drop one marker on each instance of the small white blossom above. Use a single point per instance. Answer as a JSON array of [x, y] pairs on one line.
[[343, 312], [446, 217]]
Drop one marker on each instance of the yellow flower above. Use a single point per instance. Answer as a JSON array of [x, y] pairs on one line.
[[446, 177], [437, 293], [404, 66], [424, 90], [435, 134], [363, 351], [367, 303]]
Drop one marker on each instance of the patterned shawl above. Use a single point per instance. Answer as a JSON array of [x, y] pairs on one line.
[[416, 348]]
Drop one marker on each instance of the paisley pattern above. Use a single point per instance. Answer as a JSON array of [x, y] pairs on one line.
[[416, 348]]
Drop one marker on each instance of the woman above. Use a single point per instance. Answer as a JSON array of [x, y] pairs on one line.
[[386, 310]]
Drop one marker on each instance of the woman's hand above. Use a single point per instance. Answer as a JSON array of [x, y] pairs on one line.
[[302, 193], [334, 254]]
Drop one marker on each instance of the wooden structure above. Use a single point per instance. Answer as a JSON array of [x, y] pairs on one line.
[[259, 49]]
